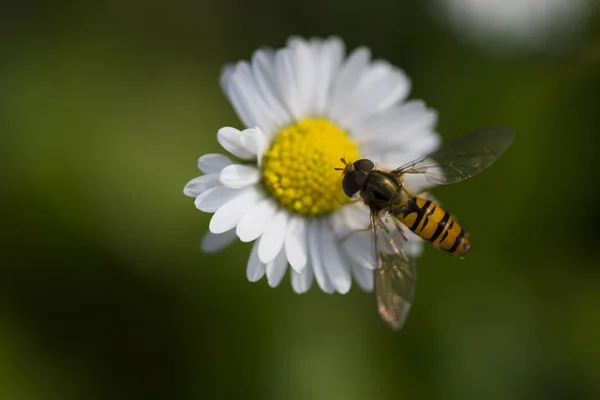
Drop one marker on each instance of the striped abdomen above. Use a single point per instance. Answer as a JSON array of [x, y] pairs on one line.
[[431, 222]]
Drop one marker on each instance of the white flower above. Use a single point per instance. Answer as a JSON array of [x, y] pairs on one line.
[[538, 24], [306, 106]]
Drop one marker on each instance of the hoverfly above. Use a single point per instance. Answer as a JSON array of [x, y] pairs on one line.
[[386, 194]]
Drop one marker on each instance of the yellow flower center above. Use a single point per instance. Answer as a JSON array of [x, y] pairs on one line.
[[298, 169]]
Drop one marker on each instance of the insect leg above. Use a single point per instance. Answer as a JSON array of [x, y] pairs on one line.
[[399, 227], [376, 261]]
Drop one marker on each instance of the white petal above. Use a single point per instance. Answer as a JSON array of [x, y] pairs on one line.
[[255, 269], [272, 239], [244, 84], [229, 138], [363, 276], [276, 269], [229, 214], [212, 242], [255, 142], [254, 222], [226, 73], [239, 85], [359, 248], [328, 56], [339, 225], [285, 76], [314, 249], [381, 86], [356, 216], [213, 163], [239, 176], [227, 84], [212, 199], [394, 157], [263, 67], [405, 151], [428, 142], [295, 243], [385, 84], [303, 281], [348, 76], [336, 268], [398, 87], [305, 74], [200, 184], [399, 124], [398, 154]]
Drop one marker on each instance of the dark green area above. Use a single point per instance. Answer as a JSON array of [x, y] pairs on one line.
[[104, 294]]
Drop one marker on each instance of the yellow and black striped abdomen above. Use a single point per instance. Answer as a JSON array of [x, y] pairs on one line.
[[431, 222]]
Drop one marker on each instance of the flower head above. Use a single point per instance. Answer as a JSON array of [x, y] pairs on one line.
[[306, 106]]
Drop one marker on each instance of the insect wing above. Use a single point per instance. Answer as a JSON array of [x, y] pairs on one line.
[[462, 158], [395, 278]]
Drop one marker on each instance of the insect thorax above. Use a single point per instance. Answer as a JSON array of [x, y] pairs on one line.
[[382, 190]]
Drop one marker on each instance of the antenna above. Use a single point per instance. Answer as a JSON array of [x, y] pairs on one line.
[[343, 160]]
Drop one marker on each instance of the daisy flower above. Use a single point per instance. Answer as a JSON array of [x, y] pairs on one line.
[[305, 106], [545, 25]]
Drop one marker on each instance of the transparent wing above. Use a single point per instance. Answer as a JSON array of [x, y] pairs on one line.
[[395, 276], [462, 158]]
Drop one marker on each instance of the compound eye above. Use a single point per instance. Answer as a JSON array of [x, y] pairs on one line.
[[364, 165], [353, 182]]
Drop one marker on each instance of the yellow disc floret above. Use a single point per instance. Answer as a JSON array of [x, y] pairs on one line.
[[298, 169]]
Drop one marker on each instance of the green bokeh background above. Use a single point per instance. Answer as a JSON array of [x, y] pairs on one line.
[[104, 294]]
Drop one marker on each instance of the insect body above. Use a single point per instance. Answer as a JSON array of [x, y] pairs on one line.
[[385, 193], [431, 222]]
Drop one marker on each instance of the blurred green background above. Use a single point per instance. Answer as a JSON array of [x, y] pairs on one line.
[[104, 293]]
